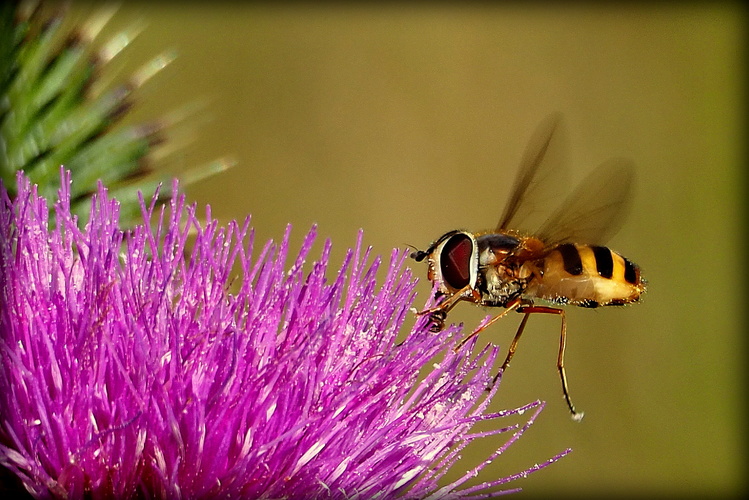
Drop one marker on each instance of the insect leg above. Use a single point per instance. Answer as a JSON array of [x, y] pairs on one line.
[[513, 345], [511, 350], [511, 306], [562, 344], [447, 304]]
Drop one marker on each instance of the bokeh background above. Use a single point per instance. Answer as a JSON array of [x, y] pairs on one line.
[[409, 120]]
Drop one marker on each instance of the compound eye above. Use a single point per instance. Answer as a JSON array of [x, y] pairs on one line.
[[455, 261]]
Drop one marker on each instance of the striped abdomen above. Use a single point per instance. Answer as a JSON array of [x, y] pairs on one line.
[[585, 275]]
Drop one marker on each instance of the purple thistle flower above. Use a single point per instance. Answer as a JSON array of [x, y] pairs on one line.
[[130, 370]]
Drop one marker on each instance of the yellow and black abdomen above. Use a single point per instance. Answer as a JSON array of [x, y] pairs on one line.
[[587, 276]]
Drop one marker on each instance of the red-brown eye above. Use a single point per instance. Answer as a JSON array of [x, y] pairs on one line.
[[455, 260]]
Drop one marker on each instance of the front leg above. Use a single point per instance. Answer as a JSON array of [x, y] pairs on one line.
[[511, 306], [438, 313], [465, 293]]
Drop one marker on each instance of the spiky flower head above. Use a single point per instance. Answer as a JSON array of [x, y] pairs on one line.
[[130, 370]]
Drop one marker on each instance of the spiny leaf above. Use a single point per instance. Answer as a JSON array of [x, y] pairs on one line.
[[55, 111]]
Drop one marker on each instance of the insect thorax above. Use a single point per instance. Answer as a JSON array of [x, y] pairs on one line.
[[498, 286]]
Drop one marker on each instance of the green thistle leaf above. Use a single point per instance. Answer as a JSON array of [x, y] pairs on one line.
[[54, 111]]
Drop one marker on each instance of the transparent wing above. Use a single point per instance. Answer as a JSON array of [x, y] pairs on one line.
[[541, 179], [596, 209]]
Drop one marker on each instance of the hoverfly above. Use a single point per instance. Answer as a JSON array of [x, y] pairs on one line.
[[561, 263]]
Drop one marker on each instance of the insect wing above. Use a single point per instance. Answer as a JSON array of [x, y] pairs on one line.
[[541, 179], [596, 209]]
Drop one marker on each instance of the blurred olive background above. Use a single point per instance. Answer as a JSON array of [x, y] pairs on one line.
[[408, 121]]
